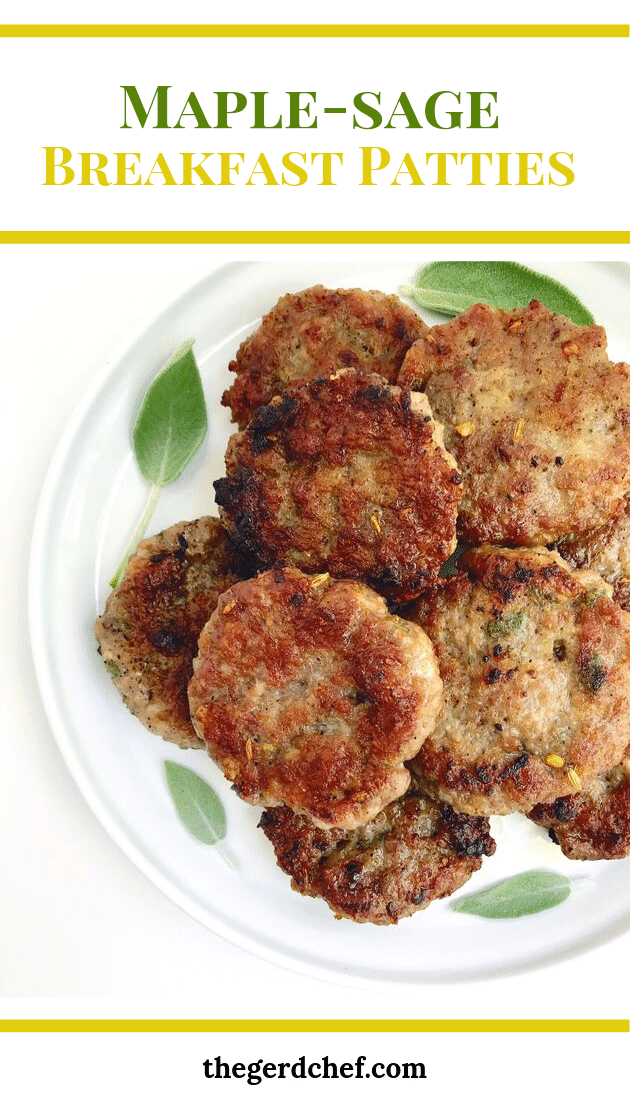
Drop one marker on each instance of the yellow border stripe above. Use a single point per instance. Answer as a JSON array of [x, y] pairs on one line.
[[314, 30], [319, 1026], [299, 236]]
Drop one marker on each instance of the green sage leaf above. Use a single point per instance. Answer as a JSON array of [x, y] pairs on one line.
[[451, 286], [170, 427], [449, 567], [501, 628], [198, 807], [520, 896], [172, 420]]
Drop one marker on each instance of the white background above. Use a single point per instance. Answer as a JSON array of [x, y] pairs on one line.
[[83, 933]]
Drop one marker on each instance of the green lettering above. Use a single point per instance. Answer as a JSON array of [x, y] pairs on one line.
[[477, 110], [259, 114], [195, 111], [365, 109], [160, 94], [407, 112], [430, 112], [222, 108], [295, 110]]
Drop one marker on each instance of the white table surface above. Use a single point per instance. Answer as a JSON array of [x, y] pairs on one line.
[[83, 932]]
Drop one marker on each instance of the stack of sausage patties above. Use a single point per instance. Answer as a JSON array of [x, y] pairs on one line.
[[378, 709]]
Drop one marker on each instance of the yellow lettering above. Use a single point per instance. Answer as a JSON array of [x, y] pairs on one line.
[[87, 170], [503, 180], [296, 169], [441, 171], [160, 166], [122, 168], [52, 165], [327, 175], [476, 167], [264, 170], [188, 168], [566, 172], [367, 163], [525, 168], [410, 170], [227, 168]]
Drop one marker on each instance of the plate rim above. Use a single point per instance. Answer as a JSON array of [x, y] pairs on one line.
[[89, 789]]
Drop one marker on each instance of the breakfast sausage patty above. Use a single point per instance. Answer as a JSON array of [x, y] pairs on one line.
[[536, 416], [308, 692], [345, 475], [414, 851], [593, 824], [149, 628], [316, 332], [534, 661]]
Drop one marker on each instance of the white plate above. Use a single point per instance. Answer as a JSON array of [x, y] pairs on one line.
[[90, 502]]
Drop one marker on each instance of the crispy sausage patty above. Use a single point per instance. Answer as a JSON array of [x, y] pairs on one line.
[[534, 661], [149, 628], [308, 692], [316, 332], [593, 824], [345, 475], [536, 416], [414, 851]]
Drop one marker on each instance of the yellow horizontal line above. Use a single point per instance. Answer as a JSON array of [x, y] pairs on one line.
[[314, 30], [314, 1025], [300, 236]]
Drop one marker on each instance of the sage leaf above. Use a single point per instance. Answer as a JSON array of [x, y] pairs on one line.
[[451, 286], [449, 567], [501, 628], [520, 896], [198, 807], [169, 429], [172, 420]]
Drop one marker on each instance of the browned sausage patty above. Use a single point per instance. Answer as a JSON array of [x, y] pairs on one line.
[[316, 332], [149, 628], [534, 661], [606, 551], [308, 692], [344, 475], [536, 416], [414, 851], [593, 824]]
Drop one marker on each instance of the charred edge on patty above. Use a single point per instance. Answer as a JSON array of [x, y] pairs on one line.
[[270, 419], [506, 578], [483, 778], [415, 851], [589, 826], [464, 831], [246, 547]]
